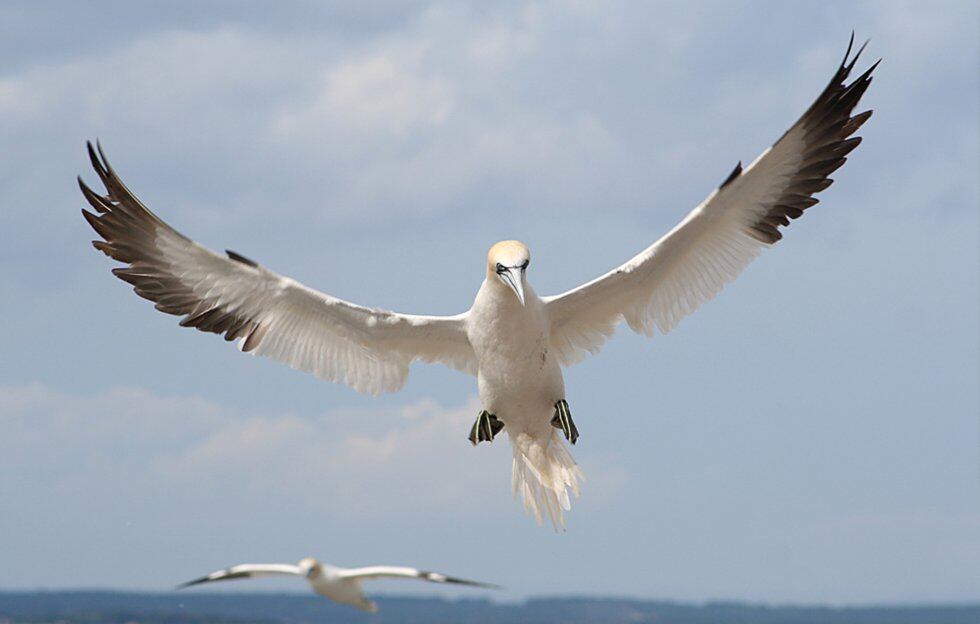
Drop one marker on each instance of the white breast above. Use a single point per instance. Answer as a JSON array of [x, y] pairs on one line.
[[344, 591], [519, 379]]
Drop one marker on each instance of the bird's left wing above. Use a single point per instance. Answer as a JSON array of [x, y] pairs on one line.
[[377, 572], [718, 239], [246, 570], [368, 349]]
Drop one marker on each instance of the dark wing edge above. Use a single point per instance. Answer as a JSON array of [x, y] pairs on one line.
[[435, 577], [826, 127], [129, 231], [221, 575]]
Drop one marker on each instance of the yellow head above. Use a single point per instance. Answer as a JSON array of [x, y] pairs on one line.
[[311, 567], [507, 262]]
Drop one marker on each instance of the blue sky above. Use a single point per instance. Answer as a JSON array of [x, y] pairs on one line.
[[810, 435]]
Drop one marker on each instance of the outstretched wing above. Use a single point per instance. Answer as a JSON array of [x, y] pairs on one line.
[[719, 238], [376, 572], [368, 349], [246, 570]]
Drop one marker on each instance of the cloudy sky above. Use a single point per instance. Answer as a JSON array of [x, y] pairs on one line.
[[810, 435]]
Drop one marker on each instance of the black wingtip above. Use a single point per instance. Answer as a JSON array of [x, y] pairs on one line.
[[455, 580], [94, 199], [737, 171], [240, 258], [848, 63], [99, 164], [86, 190], [858, 55], [105, 161], [460, 581]]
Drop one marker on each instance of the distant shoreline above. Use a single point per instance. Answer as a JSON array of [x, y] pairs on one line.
[[119, 607]]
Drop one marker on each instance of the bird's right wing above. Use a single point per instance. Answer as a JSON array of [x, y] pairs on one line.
[[376, 572], [247, 570], [271, 315]]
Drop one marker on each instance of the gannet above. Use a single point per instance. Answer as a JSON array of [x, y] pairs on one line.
[[513, 340], [341, 585]]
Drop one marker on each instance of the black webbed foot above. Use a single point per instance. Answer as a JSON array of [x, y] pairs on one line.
[[563, 420], [485, 428]]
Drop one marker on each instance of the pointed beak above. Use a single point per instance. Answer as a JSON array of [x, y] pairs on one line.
[[515, 279]]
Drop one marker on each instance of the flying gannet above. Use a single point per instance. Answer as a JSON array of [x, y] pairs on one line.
[[514, 341], [341, 585]]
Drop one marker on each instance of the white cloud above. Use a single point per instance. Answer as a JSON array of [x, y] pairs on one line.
[[125, 435], [402, 123], [125, 472], [380, 96], [145, 81], [330, 463], [407, 459]]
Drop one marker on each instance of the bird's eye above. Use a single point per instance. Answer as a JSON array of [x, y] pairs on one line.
[[501, 269], [524, 266]]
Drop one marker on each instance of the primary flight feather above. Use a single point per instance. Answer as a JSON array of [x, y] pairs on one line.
[[514, 341]]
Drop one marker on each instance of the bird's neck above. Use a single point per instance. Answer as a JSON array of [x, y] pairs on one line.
[[500, 296]]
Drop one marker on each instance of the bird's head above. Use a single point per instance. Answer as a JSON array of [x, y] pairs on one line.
[[507, 263], [311, 567]]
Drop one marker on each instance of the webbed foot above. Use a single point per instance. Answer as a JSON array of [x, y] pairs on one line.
[[485, 428], [563, 420]]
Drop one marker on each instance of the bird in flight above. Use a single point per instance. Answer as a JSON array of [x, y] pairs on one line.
[[513, 340], [341, 585]]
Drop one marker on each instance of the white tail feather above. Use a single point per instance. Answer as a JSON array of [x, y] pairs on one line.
[[543, 473]]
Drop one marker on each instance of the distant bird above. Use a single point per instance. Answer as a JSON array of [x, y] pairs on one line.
[[514, 341], [341, 585]]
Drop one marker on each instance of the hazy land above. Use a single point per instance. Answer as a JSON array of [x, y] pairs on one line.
[[105, 607]]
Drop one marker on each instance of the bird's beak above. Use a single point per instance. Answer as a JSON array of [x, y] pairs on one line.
[[514, 278]]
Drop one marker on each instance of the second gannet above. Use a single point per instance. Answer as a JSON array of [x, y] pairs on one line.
[[514, 341], [341, 585]]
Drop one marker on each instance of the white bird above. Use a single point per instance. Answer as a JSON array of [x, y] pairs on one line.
[[341, 585], [514, 341]]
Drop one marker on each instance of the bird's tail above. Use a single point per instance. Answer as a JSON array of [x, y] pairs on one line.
[[543, 473]]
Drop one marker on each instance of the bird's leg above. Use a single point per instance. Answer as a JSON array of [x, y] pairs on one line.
[[563, 420], [485, 428]]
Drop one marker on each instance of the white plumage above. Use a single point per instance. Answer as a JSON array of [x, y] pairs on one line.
[[513, 340], [341, 585]]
